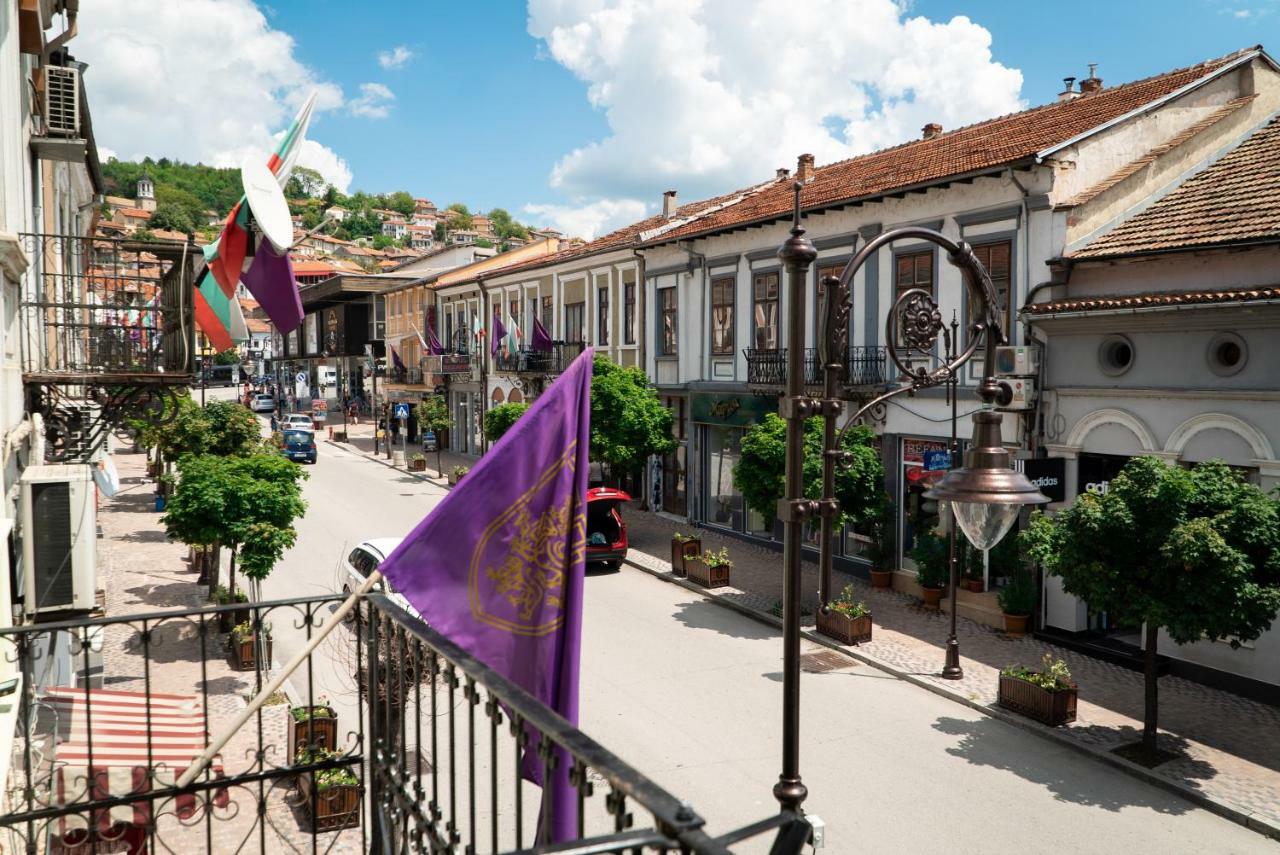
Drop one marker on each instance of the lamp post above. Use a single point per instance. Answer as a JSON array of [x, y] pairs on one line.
[[985, 494]]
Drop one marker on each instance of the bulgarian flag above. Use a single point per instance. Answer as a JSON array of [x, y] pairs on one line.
[[225, 256]]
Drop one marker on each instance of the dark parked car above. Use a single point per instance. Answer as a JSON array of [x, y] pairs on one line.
[[299, 445], [606, 532]]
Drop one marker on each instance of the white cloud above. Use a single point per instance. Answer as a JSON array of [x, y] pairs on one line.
[[589, 219], [708, 95], [374, 101], [200, 80], [394, 58]]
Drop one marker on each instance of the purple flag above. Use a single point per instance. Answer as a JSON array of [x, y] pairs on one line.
[[270, 281], [433, 344], [540, 341], [499, 333], [498, 566], [395, 359]]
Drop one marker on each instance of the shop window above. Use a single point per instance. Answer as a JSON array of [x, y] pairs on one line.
[[1227, 354], [1115, 355], [918, 514], [724, 502]]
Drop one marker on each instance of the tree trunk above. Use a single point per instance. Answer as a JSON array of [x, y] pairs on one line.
[[1149, 717], [439, 465], [231, 576]]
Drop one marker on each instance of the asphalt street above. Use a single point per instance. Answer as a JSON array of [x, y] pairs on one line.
[[690, 694]]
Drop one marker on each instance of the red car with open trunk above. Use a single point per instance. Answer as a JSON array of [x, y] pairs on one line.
[[606, 532]]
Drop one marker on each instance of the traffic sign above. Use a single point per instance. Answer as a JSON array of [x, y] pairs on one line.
[[301, 378], [402, 411], [935, 460]]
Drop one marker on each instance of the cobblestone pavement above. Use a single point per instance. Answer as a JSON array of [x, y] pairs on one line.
[[1228, 746], [141, 571]]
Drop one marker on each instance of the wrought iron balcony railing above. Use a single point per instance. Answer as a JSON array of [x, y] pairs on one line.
[[529, 361], [108, 310], [417, 747], [864, 367]]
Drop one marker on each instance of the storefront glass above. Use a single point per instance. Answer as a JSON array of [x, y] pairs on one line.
[[918, 515], [724, 502]]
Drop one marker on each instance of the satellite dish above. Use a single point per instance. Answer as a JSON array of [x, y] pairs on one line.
[[267, 204]]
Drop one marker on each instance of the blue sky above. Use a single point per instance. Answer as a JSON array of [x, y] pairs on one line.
[[612, 101]]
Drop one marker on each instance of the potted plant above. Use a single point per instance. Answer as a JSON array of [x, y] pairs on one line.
[[846, 619], [313, 726], [683, 548], [972, 580], [456, 473], [331, 796], [220, 596], [1017, 600], [931, 556], [244, 646], [418, 463], [711, 569], [1047, 695], [880, 551]]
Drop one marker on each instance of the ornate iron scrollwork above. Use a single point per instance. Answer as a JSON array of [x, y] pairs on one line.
[[76, 427]]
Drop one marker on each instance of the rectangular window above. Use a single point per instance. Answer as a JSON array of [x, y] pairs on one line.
[[602, 316], [830, 270], [546, 313], [629, 313], [765, 311], [515, 311], [914, 270], [574, 321], [722, 315], [997, 258], [670, 320]]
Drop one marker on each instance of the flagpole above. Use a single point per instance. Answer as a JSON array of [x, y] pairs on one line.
[[216, 745]]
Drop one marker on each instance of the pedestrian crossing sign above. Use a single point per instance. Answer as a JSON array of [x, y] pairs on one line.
[[402, 411]]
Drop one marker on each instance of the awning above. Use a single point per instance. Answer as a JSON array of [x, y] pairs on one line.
[[115, 743]]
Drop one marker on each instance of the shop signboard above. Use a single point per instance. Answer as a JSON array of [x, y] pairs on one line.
[[1095, 472], [936, 460], [319, 409], [734, 410], [1049, 474], [915, 456]]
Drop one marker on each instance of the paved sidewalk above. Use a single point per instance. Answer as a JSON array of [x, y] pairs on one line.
[[1229, 745], [142, 571]]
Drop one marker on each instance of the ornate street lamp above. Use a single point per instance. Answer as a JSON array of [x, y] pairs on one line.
[[985, 494]]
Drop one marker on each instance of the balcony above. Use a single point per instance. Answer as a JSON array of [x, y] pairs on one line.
[[456, 363], [420, 749], [529, 361], [865, 367]]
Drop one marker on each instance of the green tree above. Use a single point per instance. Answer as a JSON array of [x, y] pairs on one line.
[[484, 242], [500, 419], [402, 203], [760, 473], [628, 422], [230, 356], [433, 415], [1195, 552], [171, 217], [458, 216], [382, 241], [223, 428], [197, 511], [331, 195], [441, 232], [304, 182], [504, 226]]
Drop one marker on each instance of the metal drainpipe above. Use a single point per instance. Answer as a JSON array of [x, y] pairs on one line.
[[1029, 432], [641, 337], [484, 366]]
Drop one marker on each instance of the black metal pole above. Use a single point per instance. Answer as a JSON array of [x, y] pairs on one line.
[[797, 253], [951, 670], [373, 407]]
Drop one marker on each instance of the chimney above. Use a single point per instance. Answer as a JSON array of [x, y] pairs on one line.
[[1093, 82], [804, 168], [783, 173], [931, 130], [669, 204], [1068, 92]]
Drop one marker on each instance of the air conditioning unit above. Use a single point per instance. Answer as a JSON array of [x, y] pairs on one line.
[[62, 101], [1020, 361], [1024, 393], [59, 538]]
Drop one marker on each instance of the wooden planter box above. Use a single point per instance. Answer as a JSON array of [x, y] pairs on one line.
[[1042, 705], [315, 732], [339, 436], [244, 651], [705, 575], [228, 621], [417, 465], [454, 479], [683, 553], [843, 628], [974, 585], [334, 808], [882, 579]]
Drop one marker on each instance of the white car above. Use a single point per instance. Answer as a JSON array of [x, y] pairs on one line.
[[362, 561], [263, 404], [297, 421]]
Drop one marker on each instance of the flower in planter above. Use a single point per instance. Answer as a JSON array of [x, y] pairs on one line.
[[717, 558], [458, 471], [846, 605], [245, 630], [419, 456], [338, 776], [1053, 676], [682, 538], [320, 709]]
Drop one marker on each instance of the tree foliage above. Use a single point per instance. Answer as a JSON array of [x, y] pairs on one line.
[[458, 216], [504, 226], [760, 473], [628, 422], [171, 217], [304, 183], [402, 203], [432, 414], [500, 419], [1195, 552], [223, 428]]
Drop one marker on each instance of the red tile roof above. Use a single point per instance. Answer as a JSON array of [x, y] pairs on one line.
[[1153, 300], [986, 145], [136, 213], [1235, 200], [311, 268]]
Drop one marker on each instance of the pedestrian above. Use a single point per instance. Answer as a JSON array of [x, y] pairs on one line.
[[275, 425]]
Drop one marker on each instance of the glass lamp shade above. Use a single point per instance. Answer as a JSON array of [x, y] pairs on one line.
[[985, 525], [986, 493]]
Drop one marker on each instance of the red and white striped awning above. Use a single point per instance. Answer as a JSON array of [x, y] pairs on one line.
[[107, 742]]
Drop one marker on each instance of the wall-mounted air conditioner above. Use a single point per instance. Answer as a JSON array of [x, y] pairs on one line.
[[62, 101], [1020, 361], [59, 538], [1023, 393]]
